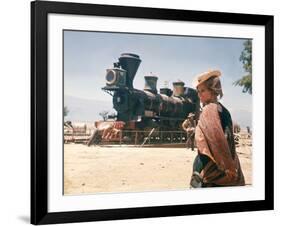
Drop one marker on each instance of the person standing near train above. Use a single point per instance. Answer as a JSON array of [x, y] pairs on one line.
[[189, 127], [216, 163]]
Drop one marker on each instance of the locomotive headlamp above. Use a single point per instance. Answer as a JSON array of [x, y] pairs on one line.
[[122, 74], [110, 77], [115, 77]]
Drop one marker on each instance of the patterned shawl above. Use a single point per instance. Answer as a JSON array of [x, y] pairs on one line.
[[223, 169]]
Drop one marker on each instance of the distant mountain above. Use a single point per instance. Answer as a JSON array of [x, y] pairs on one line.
[[85, 110]]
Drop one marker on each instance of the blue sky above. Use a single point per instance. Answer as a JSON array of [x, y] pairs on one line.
[[87, 55]]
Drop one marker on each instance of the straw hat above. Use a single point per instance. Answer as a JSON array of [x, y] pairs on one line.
[[205, 76]]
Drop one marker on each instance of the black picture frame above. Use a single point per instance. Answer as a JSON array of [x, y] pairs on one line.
[[39, 112]]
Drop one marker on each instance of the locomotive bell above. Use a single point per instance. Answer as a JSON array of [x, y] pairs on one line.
[[130, 63], [151, 83], [178, 88]]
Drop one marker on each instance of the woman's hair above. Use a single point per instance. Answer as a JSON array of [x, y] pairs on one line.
[[214, 84]]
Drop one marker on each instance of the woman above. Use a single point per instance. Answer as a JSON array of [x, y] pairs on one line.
[[217, 163]]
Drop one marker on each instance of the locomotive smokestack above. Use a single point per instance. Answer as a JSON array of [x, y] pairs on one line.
[[151, 83], [130, 62], [178, 88]]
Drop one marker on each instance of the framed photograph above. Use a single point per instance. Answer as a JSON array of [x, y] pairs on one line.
[[145, 112]]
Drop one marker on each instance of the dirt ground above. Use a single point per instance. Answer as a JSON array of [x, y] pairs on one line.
[[129, 169]]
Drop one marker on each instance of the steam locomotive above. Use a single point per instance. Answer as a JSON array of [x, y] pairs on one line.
[[145, 113]]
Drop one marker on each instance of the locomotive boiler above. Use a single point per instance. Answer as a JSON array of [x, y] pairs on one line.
[[143, 114]]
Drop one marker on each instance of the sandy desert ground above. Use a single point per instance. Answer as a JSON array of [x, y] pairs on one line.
[[130, 169]]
